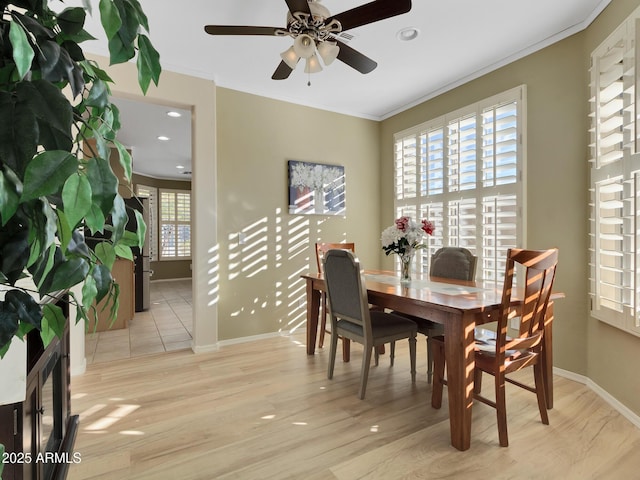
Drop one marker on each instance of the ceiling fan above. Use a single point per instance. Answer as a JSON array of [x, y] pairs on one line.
[[315, 30]]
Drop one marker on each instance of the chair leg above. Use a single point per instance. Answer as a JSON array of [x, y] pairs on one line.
[[438, 374], [364, 373], [501, 410], [540, 393], [429, 357], [392, 352], [323, 319], [412, 355], [332, 354], [346, 350], [477, 381]]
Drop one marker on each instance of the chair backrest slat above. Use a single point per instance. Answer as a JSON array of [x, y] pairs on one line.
[[540, 269]]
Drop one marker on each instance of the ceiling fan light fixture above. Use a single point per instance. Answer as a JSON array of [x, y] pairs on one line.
[[290, 57], [313, 65], [304, 46], [328, 51]]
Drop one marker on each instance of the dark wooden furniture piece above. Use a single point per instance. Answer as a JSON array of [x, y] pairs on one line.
[[40, 432], [459, 314], [351, 317], [498, 354]]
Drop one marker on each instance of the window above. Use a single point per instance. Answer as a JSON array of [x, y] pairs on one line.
[[465, 172], [175, 224], [152, 225], [615, 180]]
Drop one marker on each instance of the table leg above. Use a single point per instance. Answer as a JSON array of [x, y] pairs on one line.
[[547, 355], [459, 355], [313, 308]]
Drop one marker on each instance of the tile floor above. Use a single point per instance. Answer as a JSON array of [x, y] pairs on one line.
[[166, 326]]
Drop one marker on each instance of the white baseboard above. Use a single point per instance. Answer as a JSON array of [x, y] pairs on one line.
[[602, 393], [234, 341]]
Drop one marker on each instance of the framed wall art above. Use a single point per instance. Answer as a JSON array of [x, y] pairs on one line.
[[316, 189]]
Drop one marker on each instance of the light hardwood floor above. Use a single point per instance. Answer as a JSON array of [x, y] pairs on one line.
[[265, 410]]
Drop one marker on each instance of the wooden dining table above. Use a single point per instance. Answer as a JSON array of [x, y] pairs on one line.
[[459, 306]]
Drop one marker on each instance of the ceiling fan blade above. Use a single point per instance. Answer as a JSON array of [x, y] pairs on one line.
[[354, 58], [371, 12], [239, 30], [298, 6], [282, 72]]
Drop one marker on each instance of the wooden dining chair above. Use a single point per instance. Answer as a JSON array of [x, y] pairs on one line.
[[499, 354], [451, 263], [352, 318], [321, 251]]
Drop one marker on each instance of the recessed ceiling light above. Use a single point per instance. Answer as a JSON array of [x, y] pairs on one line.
[[163, 138], [174, 114], [179, 167], [408, 34]]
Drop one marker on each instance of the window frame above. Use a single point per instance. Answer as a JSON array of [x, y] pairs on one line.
[[614, 281], [417, 193], [177, 223]]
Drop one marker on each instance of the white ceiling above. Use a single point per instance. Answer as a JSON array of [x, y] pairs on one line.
[[459, 40]]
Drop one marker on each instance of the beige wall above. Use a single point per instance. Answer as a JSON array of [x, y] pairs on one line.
[[168, 269], [260, 286], [557, 199]]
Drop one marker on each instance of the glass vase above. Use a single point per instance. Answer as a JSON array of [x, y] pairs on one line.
[[405, 267]]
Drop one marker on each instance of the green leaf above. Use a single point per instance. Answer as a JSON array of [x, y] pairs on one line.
[[119, 218], [89, 291], [9, 198], [103, 280], [105, 253], [69, 273], [95, 219], [76, 198], [98, 95], [44, 267], [47, 173], [24, 306], [125, 160], [71, 20], [64, 230], [139, 14], [23, 54], [142, 228], [148, 63], [123, 251], [46, 332], [55, 318], [104, 183], [110, 18], [77, 245], [19, 130], [53, 112], [14, 248]]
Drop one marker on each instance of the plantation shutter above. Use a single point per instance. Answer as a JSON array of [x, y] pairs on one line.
[[615, 187], [152, 228], [175, 224], [464, 172]]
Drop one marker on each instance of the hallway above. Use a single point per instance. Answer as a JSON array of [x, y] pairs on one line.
[[165, 327]]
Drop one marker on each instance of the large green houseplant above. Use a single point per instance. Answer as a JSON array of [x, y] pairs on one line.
[[54, 103]]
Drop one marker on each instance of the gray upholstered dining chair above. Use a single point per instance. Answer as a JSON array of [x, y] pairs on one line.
[[451, 263], [352, 318], [500, 353]]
